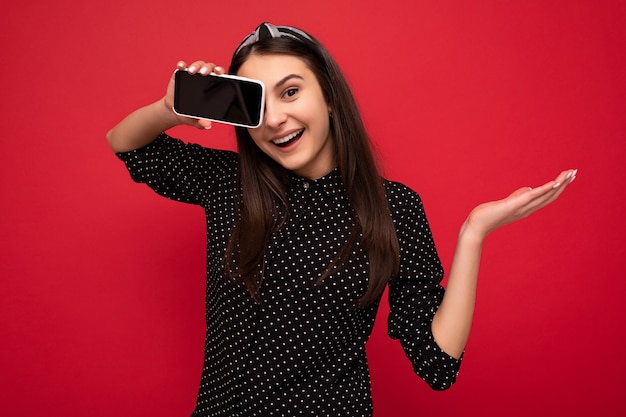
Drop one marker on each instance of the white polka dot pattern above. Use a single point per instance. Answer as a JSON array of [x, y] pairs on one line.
[[302, 351]]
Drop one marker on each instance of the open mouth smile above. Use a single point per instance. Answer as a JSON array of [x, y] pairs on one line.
[[287, 140]]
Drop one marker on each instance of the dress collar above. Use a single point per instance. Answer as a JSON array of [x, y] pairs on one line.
[[330, 185]]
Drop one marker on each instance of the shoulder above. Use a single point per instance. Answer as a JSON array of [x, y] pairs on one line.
[[406, 207], [401, 197]]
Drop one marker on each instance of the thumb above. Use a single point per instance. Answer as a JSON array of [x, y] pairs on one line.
[[204, 124], [520, 191]]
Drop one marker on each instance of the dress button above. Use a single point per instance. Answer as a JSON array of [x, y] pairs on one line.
[[306, 185]]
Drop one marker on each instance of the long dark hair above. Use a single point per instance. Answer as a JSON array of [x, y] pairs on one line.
[[263, 208]]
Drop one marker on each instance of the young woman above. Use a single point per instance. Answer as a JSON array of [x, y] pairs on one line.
[[303, 235]]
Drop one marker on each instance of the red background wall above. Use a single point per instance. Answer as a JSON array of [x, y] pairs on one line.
[[101, 281]]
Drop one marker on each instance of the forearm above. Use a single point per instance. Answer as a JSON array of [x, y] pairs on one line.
[[453, 320], [141, 127]]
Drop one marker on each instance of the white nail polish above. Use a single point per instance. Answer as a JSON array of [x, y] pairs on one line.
[[192, 68], [557, 185], [203, 70]]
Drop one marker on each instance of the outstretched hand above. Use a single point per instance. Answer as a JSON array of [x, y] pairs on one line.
[[490, 216]]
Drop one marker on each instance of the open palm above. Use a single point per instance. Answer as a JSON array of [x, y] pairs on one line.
[[488, 217]]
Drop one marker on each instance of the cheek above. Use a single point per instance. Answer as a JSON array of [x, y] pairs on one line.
[[324, 121]]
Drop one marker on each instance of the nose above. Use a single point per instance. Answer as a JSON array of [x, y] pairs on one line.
[[275, 115]]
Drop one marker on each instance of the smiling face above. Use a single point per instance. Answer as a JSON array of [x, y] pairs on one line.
[[296, 128]]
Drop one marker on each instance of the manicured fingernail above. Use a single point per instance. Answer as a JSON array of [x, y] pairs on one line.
[[218, 69], [203, 70], [192, 68], [557, 185], [569, 174], [571, 180]]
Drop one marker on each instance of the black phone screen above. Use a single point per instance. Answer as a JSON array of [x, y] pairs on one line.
[[220, 98]]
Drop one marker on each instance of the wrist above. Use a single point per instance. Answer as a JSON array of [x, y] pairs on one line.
[[472, 234], [157, 117], [165, 112]]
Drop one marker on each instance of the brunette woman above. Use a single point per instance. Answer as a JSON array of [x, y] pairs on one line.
[[303, 236]]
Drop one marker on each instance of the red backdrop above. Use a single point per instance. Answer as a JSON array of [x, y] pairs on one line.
[[101, 281]]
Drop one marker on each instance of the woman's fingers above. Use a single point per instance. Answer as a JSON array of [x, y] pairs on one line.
[[201, 67], [539, 197], [196, 67], [558, 185], [519, 204]]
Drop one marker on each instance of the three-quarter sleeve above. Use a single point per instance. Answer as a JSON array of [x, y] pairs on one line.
[[181, 171], [415, 295]]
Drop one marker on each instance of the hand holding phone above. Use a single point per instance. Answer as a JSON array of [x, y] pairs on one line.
[[221, 98]]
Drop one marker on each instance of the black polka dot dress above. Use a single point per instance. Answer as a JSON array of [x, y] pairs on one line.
[[301, 352]]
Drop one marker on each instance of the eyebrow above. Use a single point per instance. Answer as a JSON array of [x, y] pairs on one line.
[[280, 83]]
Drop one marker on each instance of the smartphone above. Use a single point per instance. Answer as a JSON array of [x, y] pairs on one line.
[[227, 99]]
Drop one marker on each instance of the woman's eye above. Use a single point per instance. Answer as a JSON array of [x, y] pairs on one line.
[[291, 92]]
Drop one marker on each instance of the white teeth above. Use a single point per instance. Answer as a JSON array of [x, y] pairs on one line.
[[287, 138]]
